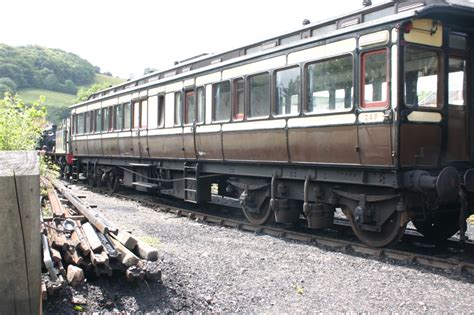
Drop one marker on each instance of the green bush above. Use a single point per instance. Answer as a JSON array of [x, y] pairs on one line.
[[20, 125]]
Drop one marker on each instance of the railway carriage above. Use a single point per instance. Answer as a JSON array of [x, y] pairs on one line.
[[369, 112]]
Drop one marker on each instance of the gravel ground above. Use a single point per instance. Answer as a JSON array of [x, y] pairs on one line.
[[214, 269]]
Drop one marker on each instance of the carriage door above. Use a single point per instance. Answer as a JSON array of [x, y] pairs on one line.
[[139, 128], [375, 127], [189, 121], [458, 109]]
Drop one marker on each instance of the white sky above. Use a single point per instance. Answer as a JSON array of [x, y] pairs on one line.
[[127, 36]]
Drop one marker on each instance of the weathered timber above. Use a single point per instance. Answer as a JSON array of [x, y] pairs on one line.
[[146, 251], [61, 269], [79, 239], [72, 257], [127, 239], [101, 263], [75, 275], [20, 241], [56, 255], [127, 258], [44, 292], [135, 273], [94, 242], [57, 239]]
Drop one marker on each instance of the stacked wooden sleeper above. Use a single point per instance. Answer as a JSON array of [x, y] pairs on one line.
[[80, 236]]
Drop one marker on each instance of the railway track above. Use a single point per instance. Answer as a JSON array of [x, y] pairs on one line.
[[450, 257]]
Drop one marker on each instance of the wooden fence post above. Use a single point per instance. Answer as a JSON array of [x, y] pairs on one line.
[[20, 244]]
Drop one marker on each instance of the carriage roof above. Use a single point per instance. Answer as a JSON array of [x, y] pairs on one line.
[[369, 16]]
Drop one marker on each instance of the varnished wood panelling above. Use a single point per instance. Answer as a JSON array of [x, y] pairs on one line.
[[259, 145], [375, 144], [209, 146], [457, 134], [166, 146], [336, 144], [95, 146], [420, 144], [125, 146], [188, 141], [110, 146]]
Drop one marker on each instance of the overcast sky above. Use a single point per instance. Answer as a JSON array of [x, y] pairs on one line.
[[126, 37]]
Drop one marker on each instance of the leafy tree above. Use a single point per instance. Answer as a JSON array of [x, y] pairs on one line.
[[70, 87], [13, 72], [5, 89], [20, 125], [33, 66], [8, 82], [51, 82], [57, 114], [84, 93]]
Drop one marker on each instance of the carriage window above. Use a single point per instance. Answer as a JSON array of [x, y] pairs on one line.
[[110, 121], [456, 81], [80, 123], [457, 41], [201, 104], [421, 77], [221, 101], [93, 126], [127, 115], [88, 122], [239, 99], [329, 85], [190, 107], [375, 78], [178, 106], [153, 112], [161, 110], [98, 120], [73, 124], [118, 123], [287, 90], [143, 113], [259, 95], [136, 114], [105, 118]]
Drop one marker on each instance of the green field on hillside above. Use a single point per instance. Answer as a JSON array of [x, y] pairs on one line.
[[56, 102], [100, 78], [29, 96], [32, 95]]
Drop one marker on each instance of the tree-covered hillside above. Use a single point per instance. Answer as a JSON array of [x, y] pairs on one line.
[[44, 68]]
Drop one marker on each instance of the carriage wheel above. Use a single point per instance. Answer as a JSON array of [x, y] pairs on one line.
[[91, 179], [392, 230], [113, 183], [265, 215]]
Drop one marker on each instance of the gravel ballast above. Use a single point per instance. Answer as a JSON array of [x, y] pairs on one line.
[[216, 269]]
